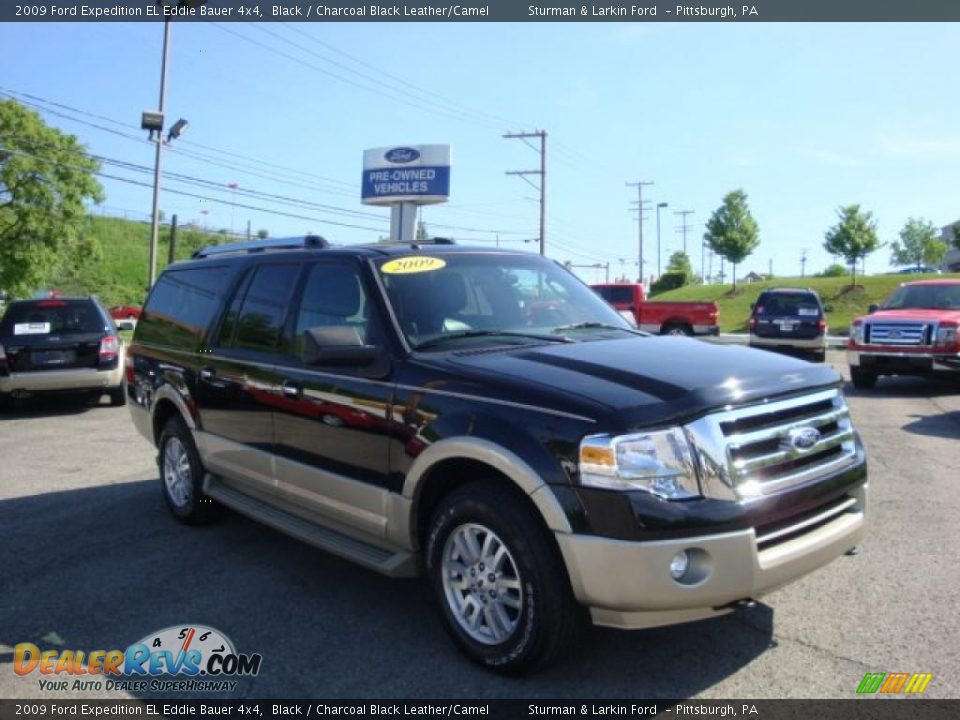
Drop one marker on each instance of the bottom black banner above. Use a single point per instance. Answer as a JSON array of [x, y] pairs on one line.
[[855, 709]]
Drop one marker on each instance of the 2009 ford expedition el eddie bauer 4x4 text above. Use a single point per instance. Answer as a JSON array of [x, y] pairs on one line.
[[410, 407]]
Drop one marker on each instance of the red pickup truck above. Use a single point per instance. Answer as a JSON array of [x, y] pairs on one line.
[[663, 318], [914, 332]]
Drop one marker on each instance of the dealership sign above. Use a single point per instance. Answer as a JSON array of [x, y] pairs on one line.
[[418, 174]]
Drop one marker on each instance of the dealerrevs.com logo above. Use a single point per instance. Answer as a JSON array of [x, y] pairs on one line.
[[200, 658]]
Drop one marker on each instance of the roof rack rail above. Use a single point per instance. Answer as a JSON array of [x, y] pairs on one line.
[[428, 241], [252, 246]]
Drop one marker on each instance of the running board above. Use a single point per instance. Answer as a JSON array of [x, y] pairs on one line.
[[392, 564]]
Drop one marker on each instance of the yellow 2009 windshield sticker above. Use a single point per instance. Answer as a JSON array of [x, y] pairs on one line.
[[412, 264]]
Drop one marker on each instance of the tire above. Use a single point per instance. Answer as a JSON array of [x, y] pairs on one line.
[[820, 356], [118, 395], [537, 617], [181, 476], [676, 329], [862, 380], [7, 402]]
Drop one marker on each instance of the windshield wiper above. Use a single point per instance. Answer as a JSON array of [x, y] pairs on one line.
[[441, 339], [598, 325]]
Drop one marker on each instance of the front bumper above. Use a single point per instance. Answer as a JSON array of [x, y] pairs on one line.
[[628, 584], [893, 362], [62, 380]]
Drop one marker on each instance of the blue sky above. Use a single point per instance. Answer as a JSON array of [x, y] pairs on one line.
[[803, 117]]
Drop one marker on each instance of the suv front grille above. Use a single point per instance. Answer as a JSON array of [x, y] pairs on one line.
[[764, 449], [898, 333]]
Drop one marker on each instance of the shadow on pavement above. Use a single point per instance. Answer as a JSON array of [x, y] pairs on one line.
[[104, 567], [946, 425], [907, 386], [48, 406]]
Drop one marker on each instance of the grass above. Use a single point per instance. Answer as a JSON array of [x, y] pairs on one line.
[[119, 275], [846, 303]]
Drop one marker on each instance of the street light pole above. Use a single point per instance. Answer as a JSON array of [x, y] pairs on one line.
[[659, 206], [155, 228]]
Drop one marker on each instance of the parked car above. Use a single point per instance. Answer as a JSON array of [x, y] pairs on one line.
[[125, 312], [789, 318], [57, 345], [416, 409], [914, 332], [660, 318], [917, 270]]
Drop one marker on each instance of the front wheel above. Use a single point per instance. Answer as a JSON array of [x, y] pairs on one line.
[[500, 582], [181, 474], [861, 379]]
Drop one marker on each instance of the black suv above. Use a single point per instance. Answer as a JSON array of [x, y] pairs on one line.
[[414, 409], [792, 319], [60, 345]]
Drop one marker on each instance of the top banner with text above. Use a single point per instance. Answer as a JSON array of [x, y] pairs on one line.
[[481, 11]]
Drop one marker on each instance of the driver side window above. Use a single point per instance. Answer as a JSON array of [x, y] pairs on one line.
[[334, 296]]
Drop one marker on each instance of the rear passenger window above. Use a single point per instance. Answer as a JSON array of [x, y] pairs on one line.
[[181, 305], [259, 322]]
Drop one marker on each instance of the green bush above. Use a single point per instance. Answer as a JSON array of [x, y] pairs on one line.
[[669, 281]]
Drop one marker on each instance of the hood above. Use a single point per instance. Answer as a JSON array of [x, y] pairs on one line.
[[915, 315], [637, 381]]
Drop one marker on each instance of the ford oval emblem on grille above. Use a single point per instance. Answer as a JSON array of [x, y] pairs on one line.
[[803, 438], [402, 155], [894, 334]]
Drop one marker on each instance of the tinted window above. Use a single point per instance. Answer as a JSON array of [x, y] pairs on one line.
[[616, 293], [334, 296], [259, 325], [182, 304], [42, 317], [794, 304]]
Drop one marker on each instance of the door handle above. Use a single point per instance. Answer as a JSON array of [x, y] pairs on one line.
[[207, 373], [291, 389]]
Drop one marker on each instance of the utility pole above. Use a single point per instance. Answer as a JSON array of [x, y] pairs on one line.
[[155, 222], [803, 263], [770, 271], [639, 186], [172, 249], [542, 172], [660, 206], [684, 227]]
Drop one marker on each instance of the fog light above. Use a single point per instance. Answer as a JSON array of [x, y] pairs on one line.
[[679, 565]]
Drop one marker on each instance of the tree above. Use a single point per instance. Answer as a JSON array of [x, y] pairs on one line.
[[833, 270], [921, 244], [732, 233], [854, 237], [45, 178], [263, 233]]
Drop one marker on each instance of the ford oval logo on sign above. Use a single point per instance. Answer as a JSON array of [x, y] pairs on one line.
[[804, 438], [402, 155]]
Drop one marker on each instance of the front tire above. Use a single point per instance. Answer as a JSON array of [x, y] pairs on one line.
[[500, 580], [181, 476], [862, 380]]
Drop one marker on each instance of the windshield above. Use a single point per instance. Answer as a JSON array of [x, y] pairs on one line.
[[940, 297], [472, 297], [43, 317]]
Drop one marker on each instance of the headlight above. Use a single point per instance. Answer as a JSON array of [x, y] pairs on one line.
[[946, 335], [856, 333], [661, 463]]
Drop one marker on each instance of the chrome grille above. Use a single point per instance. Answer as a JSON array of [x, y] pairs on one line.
[[764, 449], [898, 333]]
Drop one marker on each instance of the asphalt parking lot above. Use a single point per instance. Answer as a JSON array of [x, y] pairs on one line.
[[91, 559]]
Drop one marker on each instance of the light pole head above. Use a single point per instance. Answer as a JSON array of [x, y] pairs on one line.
[[177, 130], [660, 205]]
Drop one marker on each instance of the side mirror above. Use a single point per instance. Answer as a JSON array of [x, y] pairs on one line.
[[828, 308], [872, 308], [336, 345]]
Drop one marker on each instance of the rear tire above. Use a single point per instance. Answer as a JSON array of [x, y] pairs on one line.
[[118, 395], [862, 380], [500, 581], [819, 357], [181, 476], [7, 402], [676, 329]]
